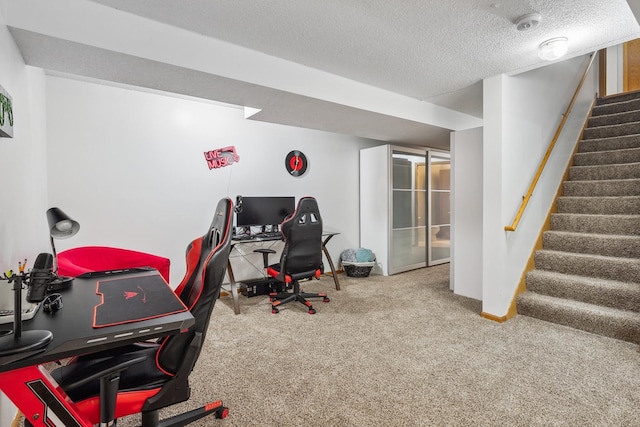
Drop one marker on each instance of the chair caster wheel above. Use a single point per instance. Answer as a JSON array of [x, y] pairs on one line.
[[312, 311], [222, 413], [274, 310], [325, 299]]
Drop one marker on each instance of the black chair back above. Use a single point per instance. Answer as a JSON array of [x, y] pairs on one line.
[[302, 253], [206, 266]]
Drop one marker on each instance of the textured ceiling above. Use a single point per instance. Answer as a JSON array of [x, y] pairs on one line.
[[418, 48], [406, 55]]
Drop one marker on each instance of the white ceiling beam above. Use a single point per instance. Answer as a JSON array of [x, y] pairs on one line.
[[93, 24]]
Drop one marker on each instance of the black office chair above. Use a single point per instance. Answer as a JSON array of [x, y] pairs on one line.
[[158, 374], [301, 257]]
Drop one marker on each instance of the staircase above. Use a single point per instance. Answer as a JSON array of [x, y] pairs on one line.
[[587, 276]]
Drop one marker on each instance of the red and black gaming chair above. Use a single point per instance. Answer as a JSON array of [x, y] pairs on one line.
[[155, 375], [301, 257]]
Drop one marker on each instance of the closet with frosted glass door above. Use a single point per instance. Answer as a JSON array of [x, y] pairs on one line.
[[396, 217]]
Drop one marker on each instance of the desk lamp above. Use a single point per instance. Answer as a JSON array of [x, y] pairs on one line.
[[60, 227]]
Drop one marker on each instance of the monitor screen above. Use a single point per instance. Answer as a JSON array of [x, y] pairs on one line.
[[264, 210]]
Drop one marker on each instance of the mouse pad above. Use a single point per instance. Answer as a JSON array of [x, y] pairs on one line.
[[133, 299]]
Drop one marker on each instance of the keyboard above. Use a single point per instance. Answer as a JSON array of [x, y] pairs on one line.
[[242, 237], [272, 235], [269, 235], [6, 316]]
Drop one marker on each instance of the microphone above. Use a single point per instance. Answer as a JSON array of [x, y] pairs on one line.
[[238, 207], [40, 278]]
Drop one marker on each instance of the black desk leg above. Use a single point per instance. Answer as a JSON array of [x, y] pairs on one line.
[[234, 289]]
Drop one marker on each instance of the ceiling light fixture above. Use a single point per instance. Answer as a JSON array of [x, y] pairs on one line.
[[528, 21], [553, 49]]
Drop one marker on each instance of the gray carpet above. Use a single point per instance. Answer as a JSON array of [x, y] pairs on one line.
[[405, 351], [587, 274]]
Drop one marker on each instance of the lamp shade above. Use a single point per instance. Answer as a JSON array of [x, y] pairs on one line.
[[60, 225]]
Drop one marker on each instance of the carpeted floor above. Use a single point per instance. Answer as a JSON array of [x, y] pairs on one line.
[[405, 351]]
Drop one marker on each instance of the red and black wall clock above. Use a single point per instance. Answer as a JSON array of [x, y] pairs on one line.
[[296, 163]]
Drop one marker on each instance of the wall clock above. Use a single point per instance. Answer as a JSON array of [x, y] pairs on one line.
[[296, 163]]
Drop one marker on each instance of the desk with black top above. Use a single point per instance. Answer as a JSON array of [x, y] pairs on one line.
[[326, 236], [27, 383]]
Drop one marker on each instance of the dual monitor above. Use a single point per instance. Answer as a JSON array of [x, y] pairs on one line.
[[263, 211]]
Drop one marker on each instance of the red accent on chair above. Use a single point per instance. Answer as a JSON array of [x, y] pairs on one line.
[[76, 261], [127, 403]]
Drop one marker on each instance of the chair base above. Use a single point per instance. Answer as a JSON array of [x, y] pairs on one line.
[[151, 418], [279, 298]]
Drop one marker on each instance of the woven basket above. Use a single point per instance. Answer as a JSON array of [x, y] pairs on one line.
[[357, 269]]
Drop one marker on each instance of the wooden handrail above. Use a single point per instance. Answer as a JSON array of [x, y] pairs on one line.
[[532, 186]]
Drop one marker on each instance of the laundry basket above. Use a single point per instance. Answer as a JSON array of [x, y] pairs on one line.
[[357, 262], [357, 269]]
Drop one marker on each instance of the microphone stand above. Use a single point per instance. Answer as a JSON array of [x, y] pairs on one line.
[[18, 341]]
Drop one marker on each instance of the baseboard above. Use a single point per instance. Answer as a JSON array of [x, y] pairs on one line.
[[16, 420], [495, 318], [329, 273]]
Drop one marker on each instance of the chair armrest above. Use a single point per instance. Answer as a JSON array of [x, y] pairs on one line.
[[265, 255], [101, 371]]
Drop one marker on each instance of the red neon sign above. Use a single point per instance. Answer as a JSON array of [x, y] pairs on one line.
[[221, 157]]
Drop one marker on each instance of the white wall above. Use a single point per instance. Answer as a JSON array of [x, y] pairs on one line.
[[466, 213], [375, 205], [23, 229], [615, 79], [23, 160], [129, 166], [521, 114]]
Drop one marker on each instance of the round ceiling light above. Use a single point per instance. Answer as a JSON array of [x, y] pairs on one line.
[[528, 21], [553, 49]]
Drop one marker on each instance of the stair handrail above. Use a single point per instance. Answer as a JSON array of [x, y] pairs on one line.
[[532, 186]]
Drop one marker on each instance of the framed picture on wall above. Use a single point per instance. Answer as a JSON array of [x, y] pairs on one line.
[[6, 114]]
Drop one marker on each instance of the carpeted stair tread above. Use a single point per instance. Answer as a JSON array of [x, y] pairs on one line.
[[612, 143], [598, 224], [607, 157], [612, 187], [595, 244], [616, 107], [595, 172], [607, 205], [614, 118], [618, 98], [619, 324], [612, 130], [587, 276], [608, 293], [598, 266]]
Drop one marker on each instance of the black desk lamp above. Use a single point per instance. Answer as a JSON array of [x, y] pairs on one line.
[[60, 227]]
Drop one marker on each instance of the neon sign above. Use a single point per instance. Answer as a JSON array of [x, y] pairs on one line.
[[221, 157]]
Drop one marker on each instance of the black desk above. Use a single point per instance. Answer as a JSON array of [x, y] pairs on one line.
[[327, 235], [29, 385]]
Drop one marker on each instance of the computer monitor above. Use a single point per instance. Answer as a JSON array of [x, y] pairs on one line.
[[264, 210]]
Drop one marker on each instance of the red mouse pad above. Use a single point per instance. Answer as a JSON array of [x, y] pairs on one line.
[[133, 299]]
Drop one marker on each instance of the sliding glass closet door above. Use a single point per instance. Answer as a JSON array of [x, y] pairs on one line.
[[440, 211], [408, 210]]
